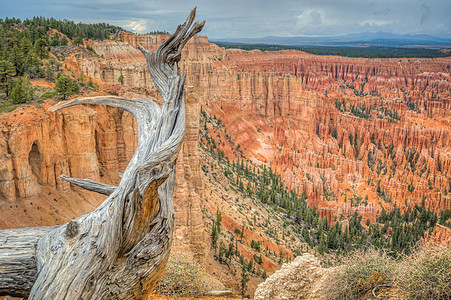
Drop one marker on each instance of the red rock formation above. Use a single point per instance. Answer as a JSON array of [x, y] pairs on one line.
[[92, 142], [37, 147], [440, 235], [279, 106], [290, 97]]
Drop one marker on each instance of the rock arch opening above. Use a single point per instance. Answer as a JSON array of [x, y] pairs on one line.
[[35, 160]]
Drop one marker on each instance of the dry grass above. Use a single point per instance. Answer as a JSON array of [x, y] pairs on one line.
[[157, 296], [360, 273], [426, 274], [184, 277]]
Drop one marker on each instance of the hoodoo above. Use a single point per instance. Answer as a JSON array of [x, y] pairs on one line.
[[119, 250]]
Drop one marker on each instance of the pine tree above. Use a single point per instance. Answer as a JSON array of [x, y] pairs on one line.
[[280, 257], [244, 280], [121, 79], [21, 90], [54, 41], [231, 249], [6, 72], [218, 220], [322, 244], [90, 83], [40, 47], [222, 252], [78, 41], [17, 59], [32, 64], [25, 45], [66, 86], [214, 236]]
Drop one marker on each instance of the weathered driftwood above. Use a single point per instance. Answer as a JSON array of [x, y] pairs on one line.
[[119, 250]]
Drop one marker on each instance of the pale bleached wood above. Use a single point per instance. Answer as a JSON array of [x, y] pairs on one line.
[[18, 265], [118, 251], [91, 185]]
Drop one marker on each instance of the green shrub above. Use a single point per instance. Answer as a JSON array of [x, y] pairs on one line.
[[7, 107], [359, 273], [426, 274], [183, 277], [48, 95], [90, 83], [121, 79]]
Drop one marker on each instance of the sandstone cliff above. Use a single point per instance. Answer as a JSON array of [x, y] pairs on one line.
[[91, 142], [291, 97], [282, 107], [353, 134], [37, 147]]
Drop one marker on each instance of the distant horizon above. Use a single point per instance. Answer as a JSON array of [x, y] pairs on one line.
[[366, 39], [242, 19], [238, 37], [345, 34]]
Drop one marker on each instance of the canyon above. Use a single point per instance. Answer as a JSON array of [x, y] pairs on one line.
[[352, 134], [281, 107]]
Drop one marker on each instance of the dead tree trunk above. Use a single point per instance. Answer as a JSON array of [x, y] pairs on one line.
[[119, 250]]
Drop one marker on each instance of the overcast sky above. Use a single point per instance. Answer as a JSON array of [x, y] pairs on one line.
[[246, 18]]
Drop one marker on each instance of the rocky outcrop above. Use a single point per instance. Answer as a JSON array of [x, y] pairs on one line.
[[301, 279], [85, 142], [92, 142], [281, 107], [303, 114], [189, 193], [38, 146], [440, 235]]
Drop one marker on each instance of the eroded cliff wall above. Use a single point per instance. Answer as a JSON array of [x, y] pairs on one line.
[[372, 130], [353, 134]]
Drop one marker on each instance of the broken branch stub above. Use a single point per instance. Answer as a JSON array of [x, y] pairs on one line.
[[119, 250]]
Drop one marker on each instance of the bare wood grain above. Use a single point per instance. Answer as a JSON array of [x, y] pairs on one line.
[[18, 265], [91, 185]]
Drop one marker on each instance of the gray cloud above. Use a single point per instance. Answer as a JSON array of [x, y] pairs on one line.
[[252, 18], [380, 8], [425, 14]]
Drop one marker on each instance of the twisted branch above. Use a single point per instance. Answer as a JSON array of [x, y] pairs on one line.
[[119, 250]]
